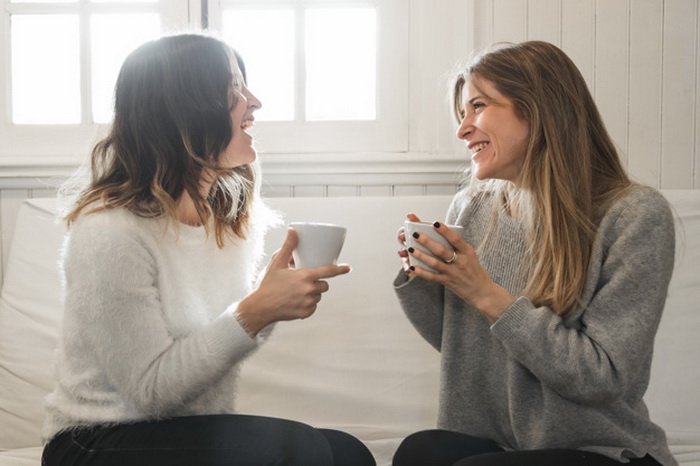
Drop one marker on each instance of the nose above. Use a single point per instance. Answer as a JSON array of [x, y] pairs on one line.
[[253, 102], [465, 129]]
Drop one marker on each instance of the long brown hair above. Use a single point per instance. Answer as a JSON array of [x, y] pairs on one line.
[[171, 122], [571, 171]]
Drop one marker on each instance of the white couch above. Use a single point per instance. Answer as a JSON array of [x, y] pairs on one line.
[[357, 364]]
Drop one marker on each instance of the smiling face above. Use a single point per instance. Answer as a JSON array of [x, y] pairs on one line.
[[243, 104], [496, 137]]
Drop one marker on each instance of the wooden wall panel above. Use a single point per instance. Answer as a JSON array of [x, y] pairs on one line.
[[544, 20], [578, 36], [611, 82], [678, 93], [510, 20], [645, 106]]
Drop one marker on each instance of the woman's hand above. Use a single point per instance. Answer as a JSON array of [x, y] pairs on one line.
[[464, 275], [286, 293], [403, 253]]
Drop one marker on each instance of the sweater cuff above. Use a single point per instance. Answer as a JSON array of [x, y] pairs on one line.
[[228, 335], [402, 279], [514, 320]]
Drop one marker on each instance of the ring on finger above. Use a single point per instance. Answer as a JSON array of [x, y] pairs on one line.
[[451, 259]]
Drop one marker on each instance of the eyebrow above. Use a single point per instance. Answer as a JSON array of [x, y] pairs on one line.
[[479, 95], [471, 101]]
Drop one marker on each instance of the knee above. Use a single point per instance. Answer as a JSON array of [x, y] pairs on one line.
[[303, 445], [416, 449], [347, 450]]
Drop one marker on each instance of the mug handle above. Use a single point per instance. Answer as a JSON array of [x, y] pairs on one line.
[[398, 236]]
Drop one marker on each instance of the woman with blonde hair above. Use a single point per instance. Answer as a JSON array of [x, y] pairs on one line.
[[545, 312], [160, 265]]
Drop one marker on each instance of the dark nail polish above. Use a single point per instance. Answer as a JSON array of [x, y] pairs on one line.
[[436, 224], [416, 234], [412, 268], [411, 250]]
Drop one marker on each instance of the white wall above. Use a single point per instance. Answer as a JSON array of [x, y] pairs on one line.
[[640, 58]]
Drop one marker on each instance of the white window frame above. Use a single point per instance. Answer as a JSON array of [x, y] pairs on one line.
[[388, 133], [67, 144]]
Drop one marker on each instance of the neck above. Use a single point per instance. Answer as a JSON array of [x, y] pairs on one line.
[[186, 210]]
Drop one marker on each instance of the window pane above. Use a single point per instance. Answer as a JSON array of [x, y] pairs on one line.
[[340, 63], [46, 72], [108, 54], [265, 40]]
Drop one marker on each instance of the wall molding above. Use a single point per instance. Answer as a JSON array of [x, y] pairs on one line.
[[352, 169]]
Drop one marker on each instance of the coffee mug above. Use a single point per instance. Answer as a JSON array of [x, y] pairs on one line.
[[427, 229], [319, 244]]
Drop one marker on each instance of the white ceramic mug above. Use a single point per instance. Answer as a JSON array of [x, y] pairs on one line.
[[427, 229], [319, 244]]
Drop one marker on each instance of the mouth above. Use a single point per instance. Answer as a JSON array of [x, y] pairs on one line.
[[478, 147], [247, 124]]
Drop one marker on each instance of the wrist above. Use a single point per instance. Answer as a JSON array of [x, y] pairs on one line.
[[494, 304], [249, 316]]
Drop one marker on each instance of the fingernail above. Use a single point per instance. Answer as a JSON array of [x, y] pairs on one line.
[[411, 250], [412, 268], [416, 234], [436, 224]]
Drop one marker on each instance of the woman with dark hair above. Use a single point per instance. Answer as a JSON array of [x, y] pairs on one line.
[[545, 312], [161, 302]]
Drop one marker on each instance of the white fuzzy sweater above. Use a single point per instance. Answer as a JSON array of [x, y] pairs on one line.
[[149, 328]]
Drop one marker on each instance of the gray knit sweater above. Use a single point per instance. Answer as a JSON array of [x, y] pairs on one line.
[[533, 380]]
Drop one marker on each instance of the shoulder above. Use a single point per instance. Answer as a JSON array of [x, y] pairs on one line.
[[467, 199], [639, 220], [111, 229], [641, 205]]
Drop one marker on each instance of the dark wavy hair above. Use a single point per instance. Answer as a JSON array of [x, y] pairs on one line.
[[172, 121]]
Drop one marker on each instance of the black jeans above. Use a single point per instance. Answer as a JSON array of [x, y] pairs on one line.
[[445, 448], [207, 441]]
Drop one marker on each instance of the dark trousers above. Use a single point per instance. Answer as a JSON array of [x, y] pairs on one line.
[[444, 448], [207, 441]]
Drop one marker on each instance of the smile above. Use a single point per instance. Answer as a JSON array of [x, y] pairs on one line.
[[247, 124], [479, 147]]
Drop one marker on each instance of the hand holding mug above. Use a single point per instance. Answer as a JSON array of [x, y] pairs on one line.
[[285, 292], [461, 272], [439, 247]]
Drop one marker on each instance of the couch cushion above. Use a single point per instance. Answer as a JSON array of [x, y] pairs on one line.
[[672, 396], [30, 315]]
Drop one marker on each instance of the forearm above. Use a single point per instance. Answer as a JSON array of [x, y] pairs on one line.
[[422, 302]]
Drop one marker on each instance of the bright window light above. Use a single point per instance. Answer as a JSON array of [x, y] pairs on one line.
[[46, 72], [265, 41], [108, 54], [340, 63]]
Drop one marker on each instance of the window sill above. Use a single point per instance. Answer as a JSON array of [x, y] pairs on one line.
[[366, 168]]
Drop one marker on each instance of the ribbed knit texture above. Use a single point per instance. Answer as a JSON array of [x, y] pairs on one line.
[[534, 380], [149, 329]]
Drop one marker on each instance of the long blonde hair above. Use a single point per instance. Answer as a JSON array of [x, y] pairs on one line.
[[571, 171], [171, 122]]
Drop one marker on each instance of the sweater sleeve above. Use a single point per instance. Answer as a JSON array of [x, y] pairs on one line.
[[113, 304], [423, 301], [595, 361]]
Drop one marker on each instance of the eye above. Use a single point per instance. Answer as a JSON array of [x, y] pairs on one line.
[[477, 105]]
